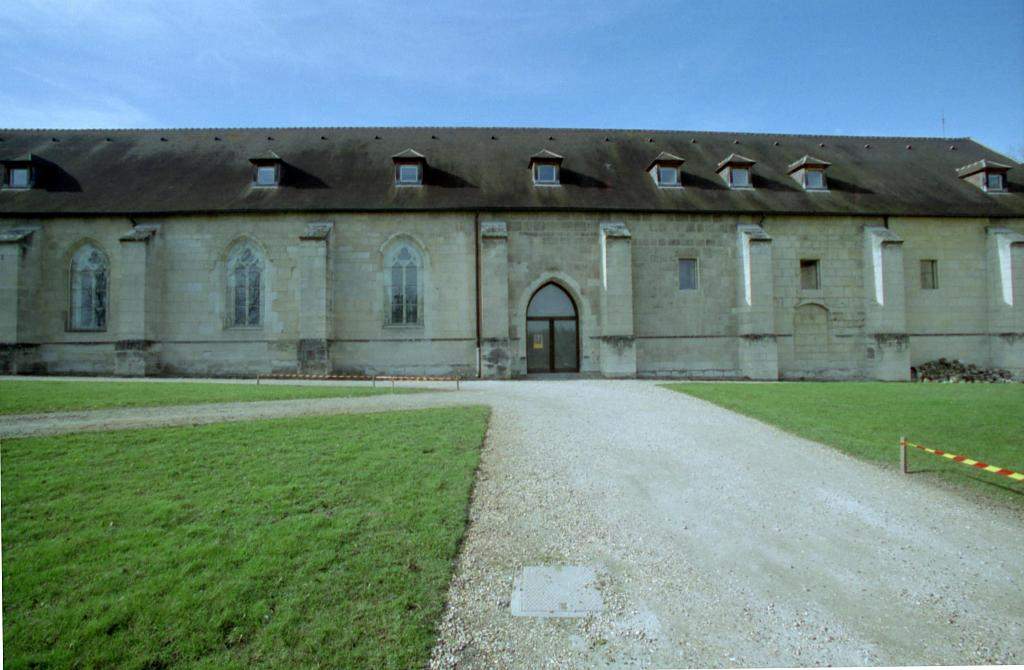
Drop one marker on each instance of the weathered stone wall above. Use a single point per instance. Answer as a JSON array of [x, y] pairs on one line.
[[685, 333], [813, 344], [564, 248], [324, 300]]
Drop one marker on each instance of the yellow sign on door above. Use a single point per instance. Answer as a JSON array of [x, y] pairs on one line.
[[538, 341]]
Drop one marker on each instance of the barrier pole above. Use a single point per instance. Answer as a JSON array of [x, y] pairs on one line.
[[456, 383], [903, 454], [373, 380], [257, 380]]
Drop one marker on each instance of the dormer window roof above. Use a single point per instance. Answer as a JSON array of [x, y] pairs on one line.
[[989, 176], [664, 169], [266, 169], [409, 165], [19, 172], [546, 167], [737, 171], [809, 172]]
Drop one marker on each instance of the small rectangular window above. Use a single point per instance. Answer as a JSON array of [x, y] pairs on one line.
[[687, 274], [814, 179], [545, 173], [739, 177], [668, 176], [409, 173], [809, 280], [929, 274], [18, 177], [266, 175], [994, 181]]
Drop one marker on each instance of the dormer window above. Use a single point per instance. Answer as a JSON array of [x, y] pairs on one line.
[[19, 177], [737, 171], [809, 172], [664, 169], [18, 173], [409, 166], [987, 175], [267, 168], [266, 175], [409, 173], [814, 179], [546, 167]]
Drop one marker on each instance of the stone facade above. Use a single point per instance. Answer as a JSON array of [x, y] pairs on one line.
[[324, 298]]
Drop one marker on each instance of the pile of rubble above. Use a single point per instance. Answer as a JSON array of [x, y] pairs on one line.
[[944, 370]]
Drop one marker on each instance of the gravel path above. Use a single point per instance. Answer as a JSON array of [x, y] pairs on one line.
[[718, 541]]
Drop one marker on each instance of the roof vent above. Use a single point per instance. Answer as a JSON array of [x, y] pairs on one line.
[[54, 139], [494, 137], [433, 137], [650, 139], [607, 139], [867, 146], [376, 137], [323, 137], [163, 139], [821, 144], [775, 143], [552, 139], [693, 140], [216, 139], [270, 138], [909, 147], [109, 139], [952, 147], [735, 141]]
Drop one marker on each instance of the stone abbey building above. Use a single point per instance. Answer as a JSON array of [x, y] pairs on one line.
[[502, 252]]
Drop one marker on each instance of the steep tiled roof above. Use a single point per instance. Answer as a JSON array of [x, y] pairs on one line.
[[138, 172]]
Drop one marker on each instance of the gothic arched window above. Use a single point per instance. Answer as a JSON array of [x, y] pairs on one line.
[[404, 271], [245, 286], [89, 276]]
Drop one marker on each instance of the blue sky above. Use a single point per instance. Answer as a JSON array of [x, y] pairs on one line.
[[873, 68]]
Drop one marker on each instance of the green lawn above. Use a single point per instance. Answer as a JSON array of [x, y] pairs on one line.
[[313, 542], [36, 397], [983, 421]]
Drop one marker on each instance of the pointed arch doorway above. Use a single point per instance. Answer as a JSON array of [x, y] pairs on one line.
[[552, 331]]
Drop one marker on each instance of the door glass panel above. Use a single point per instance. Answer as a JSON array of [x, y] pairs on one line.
[[538, 353], [551, 301], [565, 345]]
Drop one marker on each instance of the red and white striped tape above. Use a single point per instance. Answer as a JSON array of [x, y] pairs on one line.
[[1016, 476]]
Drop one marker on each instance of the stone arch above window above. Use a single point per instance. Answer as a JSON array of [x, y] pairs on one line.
[[403, 275], [89, 275], [245, 285]]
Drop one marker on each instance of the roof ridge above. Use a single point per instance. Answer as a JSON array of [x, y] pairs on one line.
[[490, 128]]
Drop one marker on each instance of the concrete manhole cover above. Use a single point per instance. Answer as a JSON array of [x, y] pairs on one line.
[[555, 592]]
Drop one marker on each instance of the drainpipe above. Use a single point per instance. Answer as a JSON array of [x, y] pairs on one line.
[[476, 248]]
